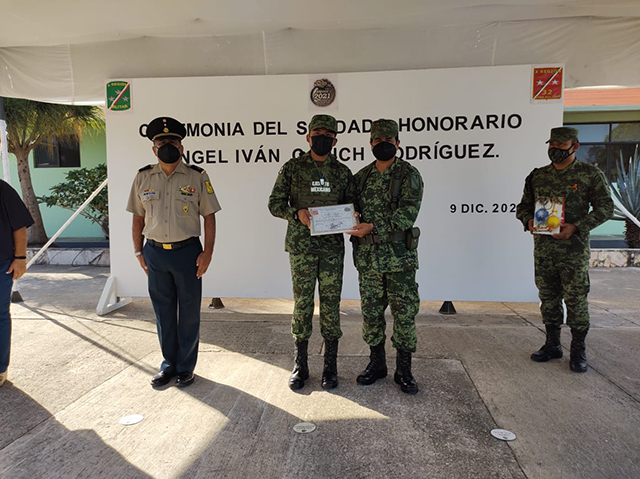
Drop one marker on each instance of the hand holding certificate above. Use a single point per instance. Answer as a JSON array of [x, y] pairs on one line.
[[327, 220]]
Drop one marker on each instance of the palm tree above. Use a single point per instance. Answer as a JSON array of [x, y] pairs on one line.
[[30, 124]]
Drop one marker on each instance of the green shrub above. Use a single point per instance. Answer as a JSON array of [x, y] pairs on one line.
[[79, 185]]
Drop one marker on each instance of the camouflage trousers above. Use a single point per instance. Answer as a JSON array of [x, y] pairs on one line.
[[563, 276], [326, 269], [398, 290]]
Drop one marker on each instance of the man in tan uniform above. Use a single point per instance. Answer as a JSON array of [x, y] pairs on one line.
[[167, 200]]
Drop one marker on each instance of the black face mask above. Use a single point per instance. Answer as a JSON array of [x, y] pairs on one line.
[[384, 151], [321, 144], [558, 155], [168, 153]]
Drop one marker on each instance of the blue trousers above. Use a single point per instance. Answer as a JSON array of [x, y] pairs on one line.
[[176, 295], [6, 282]]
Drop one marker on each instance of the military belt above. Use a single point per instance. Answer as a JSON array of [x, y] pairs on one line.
[[379, 239], [175, 245]]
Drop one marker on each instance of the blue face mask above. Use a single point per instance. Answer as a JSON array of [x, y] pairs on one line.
[[558, 155]]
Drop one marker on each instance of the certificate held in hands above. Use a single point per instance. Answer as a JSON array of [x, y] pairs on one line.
[[548, 215], [328, 220]]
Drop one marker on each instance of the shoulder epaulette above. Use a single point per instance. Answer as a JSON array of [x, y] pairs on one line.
[[148, 167], [197, 168]]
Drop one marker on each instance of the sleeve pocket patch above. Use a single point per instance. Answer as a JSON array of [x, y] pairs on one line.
[[415, 182]]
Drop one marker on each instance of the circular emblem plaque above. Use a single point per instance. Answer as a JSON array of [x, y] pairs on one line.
[[323, 92]]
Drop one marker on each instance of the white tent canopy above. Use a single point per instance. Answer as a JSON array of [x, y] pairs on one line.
[[64, 50]]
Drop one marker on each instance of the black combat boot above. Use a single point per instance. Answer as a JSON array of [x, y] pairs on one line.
[[551, 348], [578, 357], [330, 373], [403, 375], [301, 368], [377, 367]]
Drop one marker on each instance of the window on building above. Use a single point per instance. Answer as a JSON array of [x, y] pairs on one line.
[[602, 143], [58, 154]]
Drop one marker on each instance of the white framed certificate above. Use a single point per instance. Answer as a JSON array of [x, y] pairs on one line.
[[328, 220]]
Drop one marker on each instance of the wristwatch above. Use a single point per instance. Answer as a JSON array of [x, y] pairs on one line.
[[138, 253]]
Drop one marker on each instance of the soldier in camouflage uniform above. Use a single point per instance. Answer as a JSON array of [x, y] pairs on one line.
[[389, 197], [562, 260], [315, 178]]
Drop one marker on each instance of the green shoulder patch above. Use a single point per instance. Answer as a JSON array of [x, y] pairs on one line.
[[415, 181]]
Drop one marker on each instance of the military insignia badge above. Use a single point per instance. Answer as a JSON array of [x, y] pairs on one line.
[[187, 190], [118, 95], [185, 209], [281, 170], [415, 182], [207, 183], [547, 83], [323, 92]]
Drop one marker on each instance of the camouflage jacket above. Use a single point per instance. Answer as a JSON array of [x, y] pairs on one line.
[[301, 183], [374, 206], [582, 186]]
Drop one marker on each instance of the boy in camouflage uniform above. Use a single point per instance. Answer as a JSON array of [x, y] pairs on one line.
[[389, 198], [562, 260], [315, 178]]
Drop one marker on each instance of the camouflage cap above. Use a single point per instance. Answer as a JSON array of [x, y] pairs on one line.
[[323, 121], [165, 126], [384, 128], [562, 134]]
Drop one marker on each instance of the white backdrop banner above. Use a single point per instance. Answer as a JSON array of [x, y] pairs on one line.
[[473, 133]]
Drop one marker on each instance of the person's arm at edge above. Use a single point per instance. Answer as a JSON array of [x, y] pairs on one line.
[[19, 266]]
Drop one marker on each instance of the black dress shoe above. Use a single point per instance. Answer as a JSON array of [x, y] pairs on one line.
[[184, 379], [161, 379]]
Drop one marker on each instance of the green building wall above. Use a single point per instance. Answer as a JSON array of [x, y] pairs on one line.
[[93, 151]]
